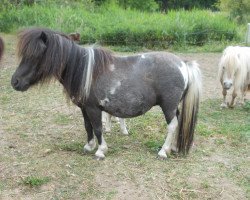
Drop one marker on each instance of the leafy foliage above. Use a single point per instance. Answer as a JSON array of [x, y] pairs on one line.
[[238, 10]]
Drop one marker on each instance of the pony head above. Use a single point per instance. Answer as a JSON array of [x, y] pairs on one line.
[[228, 67], [36, 51]]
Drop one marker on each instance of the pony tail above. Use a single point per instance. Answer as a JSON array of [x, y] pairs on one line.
[[190, 107]]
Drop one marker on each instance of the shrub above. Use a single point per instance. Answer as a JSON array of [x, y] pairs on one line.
[[238, 10], [115, 26]]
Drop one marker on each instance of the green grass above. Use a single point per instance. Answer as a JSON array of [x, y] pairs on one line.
[[129, 29], [233, 123], [33, 181]]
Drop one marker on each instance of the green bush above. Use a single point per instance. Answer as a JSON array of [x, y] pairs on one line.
[[111, 25], [238, 10]]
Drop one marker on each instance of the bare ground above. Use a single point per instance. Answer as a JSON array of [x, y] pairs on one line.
[[34, 137]]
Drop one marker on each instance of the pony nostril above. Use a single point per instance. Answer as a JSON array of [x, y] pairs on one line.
[[14, 82]]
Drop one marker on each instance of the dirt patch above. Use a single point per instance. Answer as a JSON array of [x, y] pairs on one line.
[[40, 135]]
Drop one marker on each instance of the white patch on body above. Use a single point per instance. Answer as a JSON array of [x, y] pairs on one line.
[[166, 148], [102, 149], [104, 101], [112, 67], [143, 56], [184, 72], [90, 146], [113, 88]]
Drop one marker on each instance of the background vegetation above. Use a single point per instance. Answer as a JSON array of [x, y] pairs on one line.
[[144, 23]]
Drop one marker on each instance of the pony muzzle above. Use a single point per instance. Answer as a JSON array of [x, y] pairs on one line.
[[227, 85], [19, 85]]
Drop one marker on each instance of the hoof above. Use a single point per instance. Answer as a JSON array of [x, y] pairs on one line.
[[223, 105], [99, 158], [125, 132], [89, 147], [174, 149], [162, 155]]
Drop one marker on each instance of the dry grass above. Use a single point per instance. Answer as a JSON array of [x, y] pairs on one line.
[[41, 138]]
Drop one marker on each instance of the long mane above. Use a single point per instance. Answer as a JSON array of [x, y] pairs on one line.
[[237, 59], [58, 56]]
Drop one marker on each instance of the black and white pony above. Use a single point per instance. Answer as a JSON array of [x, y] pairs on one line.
[[234, 71], [96, 80]]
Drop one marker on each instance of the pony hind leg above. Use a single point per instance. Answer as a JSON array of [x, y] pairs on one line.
[[123, 126], [172, 121], [167, 146], [106, 121]]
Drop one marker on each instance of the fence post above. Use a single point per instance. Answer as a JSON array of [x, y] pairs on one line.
[[248, 34]]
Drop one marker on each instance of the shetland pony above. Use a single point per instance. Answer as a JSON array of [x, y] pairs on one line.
[[106, 118], [234, 71], [123, 86]]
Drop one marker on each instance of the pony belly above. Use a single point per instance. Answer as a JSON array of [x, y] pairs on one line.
[[126, 107]]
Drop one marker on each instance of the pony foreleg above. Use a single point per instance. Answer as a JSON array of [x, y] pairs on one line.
[[90, 146], [234, 95], [224, 103], [123, 126], [95, 116], [166, 148]]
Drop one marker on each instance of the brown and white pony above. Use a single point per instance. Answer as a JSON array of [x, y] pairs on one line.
[[234, 71]]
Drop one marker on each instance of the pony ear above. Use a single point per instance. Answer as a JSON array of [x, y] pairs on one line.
[[43, 37]]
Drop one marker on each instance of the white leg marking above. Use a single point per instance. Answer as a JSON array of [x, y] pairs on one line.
[[174, 143], [166, 148], [102, 149], [123, 126], [106, 121], [90, 146]]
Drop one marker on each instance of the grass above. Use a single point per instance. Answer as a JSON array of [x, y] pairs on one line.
[[128, 29], [35, 181], [33, 122]]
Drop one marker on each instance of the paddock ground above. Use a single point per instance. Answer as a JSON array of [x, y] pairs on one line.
[[41, 137]]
